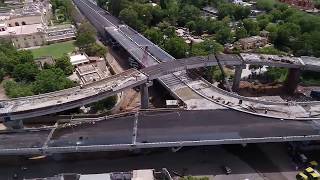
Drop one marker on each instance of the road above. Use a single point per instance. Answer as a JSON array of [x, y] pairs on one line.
[[197, 161], [162, 129]]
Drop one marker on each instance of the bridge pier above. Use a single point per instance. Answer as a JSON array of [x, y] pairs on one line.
[[237, 78], [292, 80], [144, 92]]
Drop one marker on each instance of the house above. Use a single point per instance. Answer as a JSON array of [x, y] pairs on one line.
[[251, 43]]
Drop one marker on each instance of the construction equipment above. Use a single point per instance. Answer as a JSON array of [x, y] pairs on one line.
[[308, 174]]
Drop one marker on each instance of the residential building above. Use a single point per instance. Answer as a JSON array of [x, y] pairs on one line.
[[250, 43]]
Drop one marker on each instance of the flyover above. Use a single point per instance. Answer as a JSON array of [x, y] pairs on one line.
[[197, 93], [49, 103], [155, 129], [193, 92]]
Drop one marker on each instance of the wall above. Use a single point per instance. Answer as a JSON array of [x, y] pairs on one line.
[[30, 40], [27, 19]]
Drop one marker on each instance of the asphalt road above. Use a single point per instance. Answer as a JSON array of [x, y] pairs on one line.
[[172, 126], [165, 128], [197, 161]]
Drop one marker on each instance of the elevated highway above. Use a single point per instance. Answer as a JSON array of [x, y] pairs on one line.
[[154, 129], [34, 106], [49, 103], [195, 93]]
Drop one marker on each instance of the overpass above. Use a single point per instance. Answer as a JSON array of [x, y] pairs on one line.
[[155, 129], [34, 106], [195, 93], [49, 103]]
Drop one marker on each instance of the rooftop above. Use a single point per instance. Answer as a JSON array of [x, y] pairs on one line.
[[22, 30], [252, 39], [79, 59]]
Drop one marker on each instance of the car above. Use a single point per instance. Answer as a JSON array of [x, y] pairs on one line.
[[227, 170]]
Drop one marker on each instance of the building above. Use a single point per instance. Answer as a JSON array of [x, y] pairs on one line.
[[251, 43], [303, 4], [28, 26], [146, 174], [89, 69]]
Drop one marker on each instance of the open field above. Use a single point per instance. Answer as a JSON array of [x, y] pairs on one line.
[[56, 50]]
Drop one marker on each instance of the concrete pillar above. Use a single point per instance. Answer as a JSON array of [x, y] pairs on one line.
[[237, 78], [292, 80], [144, 92]]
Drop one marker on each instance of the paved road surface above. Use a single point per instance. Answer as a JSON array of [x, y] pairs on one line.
[[203, 161]]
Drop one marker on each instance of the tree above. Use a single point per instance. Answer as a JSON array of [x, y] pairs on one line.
[[225, 9], [14, 90], [64, 64], [115, 7], [50, 80], [103, 105], [163, 4], [251, 26], [86, 27], [168, 30], [188, 13], [241, 12], [154, 35], [277, 74], [307, 44], [209, 46], [223, 35], [177, 47], [241, 32], [191, 25], [287, 34], [25, 72], [273, 31], [130, 17], [267, 5], [24, 56], [96, 50], [2, 74], [84, 40], [101, 3]]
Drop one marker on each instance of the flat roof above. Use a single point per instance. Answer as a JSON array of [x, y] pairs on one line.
[[78, 59], [22, 30]]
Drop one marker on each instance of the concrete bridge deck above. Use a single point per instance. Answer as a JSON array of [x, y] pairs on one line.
[[151, 129], [196, 93], [34, 106]]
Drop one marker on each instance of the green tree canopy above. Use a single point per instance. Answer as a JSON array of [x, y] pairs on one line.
[[241, 32], [251, 26], [64, 64], [177, 47], [50, 80], [224, 35], [25, 72], [14, 89]]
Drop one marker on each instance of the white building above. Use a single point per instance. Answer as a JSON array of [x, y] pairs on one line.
[[28, 26]]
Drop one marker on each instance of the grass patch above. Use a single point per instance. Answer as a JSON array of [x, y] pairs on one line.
[[55, 50]]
